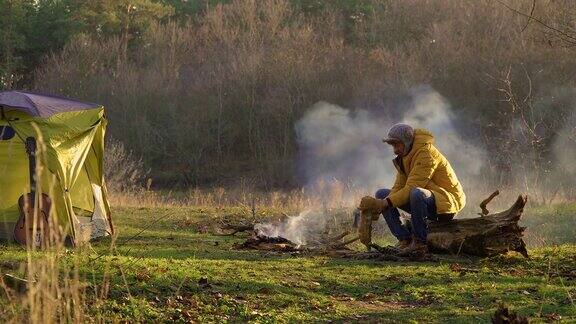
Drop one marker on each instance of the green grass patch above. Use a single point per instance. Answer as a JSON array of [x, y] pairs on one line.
[[167, 266]]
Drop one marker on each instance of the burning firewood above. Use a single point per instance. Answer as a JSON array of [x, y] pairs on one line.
[[280, 244], [313, 229]]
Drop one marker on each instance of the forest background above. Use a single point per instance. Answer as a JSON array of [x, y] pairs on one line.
[[223, 93]]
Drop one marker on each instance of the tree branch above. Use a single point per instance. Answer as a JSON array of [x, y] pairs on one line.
[[572, 39]]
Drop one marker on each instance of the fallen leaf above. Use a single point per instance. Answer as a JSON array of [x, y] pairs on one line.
[[455, 267]]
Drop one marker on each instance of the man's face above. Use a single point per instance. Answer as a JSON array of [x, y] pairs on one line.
[[398, 148]]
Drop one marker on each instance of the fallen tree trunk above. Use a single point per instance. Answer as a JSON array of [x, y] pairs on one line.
[[488, 235], [483, 236]]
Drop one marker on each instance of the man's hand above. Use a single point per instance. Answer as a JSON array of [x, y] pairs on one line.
[[372, 204]]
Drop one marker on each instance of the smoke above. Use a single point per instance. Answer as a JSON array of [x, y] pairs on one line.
[[565, 147], [564, 150], [297, 229], [432, 112], [344, 147]]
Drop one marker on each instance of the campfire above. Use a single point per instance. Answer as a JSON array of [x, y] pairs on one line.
[[280, 244], [312, 230], [313, 233], [266, 243], [335, 247]]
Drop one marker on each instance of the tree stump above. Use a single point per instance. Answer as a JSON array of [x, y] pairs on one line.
[[484, 236]]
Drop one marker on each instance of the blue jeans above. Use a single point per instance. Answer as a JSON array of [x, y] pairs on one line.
[[421, 207]]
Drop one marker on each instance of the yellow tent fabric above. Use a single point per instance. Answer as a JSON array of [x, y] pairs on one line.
[[70, 149]]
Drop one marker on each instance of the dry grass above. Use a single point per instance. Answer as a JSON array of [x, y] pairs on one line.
[[332, 195]]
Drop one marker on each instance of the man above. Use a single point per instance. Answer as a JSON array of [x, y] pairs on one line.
[[426, 187]]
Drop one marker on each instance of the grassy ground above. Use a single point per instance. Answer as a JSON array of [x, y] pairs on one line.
[[167, 266]]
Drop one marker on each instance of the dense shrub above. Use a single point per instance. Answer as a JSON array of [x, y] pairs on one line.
[[124, 171]]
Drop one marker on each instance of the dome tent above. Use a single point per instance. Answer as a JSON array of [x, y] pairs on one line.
[[71, 134]]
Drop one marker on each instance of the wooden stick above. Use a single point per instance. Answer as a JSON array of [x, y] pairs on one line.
[[347, 242], [338, 237], [486, 201]]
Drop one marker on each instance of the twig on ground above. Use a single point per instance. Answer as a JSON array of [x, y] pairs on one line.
[[337, 237], [343, 244]]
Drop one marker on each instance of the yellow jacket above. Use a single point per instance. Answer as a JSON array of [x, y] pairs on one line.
[[425, 167]]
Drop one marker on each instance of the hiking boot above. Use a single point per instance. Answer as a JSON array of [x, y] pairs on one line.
[[403, 244], [417, 247]]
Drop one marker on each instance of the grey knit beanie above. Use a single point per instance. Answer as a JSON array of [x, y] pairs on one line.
[[401, 133]]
